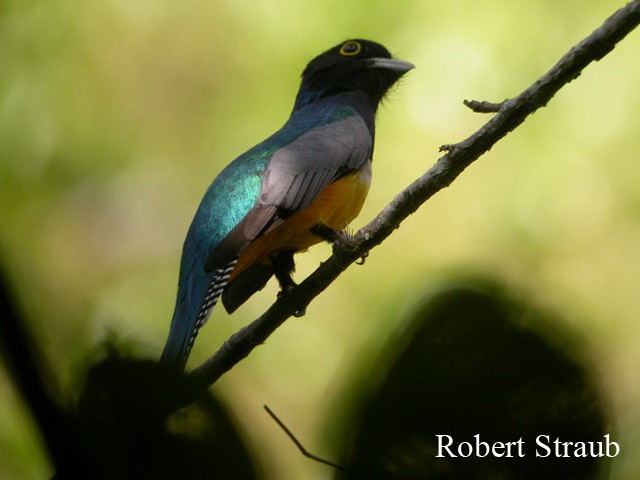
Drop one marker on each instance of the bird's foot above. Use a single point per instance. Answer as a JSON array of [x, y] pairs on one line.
[[346, 242], [283, 266], [286, 289], [342, 241]]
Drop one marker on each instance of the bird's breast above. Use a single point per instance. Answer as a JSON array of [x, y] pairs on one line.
[[336, 206]]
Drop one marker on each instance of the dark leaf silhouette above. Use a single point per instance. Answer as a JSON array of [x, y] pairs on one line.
[[469, 366]]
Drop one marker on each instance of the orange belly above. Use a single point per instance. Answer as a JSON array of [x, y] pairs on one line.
[[336, 206]]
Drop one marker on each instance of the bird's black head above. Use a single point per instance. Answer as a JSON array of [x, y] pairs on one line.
[[353, 65]]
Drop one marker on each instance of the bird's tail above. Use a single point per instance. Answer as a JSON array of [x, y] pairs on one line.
[[193, 307]]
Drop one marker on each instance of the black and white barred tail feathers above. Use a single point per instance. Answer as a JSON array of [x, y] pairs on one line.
[[185, 325]]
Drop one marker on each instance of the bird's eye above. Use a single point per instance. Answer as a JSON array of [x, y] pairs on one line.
[[350, 48]]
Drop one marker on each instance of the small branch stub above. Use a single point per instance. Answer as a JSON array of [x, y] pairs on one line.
[[449, 147], [484, 107]]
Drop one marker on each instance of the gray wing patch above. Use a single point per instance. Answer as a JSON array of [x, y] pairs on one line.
[[298, 172]]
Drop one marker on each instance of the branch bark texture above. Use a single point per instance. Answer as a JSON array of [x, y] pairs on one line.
[[509, 114]]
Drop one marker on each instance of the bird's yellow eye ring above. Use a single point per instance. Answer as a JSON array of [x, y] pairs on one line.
[[350, 48]]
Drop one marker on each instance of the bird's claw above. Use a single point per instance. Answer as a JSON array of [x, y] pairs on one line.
[[346, 240]]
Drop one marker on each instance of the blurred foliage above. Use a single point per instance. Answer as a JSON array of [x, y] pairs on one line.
[[469, 363], [116, 115], [122, 428], [131, 418]]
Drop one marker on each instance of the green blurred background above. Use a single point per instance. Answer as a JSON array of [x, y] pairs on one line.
[[116, 115]]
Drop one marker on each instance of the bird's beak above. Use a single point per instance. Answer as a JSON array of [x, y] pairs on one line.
[[391, 64]]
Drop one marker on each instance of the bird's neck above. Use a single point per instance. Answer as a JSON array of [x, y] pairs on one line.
[[308, 94], [357, 101]]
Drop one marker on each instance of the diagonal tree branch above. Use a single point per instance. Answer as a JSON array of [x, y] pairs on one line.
[[510, 114]]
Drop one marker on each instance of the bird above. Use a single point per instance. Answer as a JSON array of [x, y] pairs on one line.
[[301, 186]]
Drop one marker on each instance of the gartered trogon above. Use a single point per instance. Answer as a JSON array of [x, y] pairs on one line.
[[303, 184]]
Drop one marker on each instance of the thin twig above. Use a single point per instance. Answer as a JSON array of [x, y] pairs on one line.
[[303, 450], [458, 157]]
